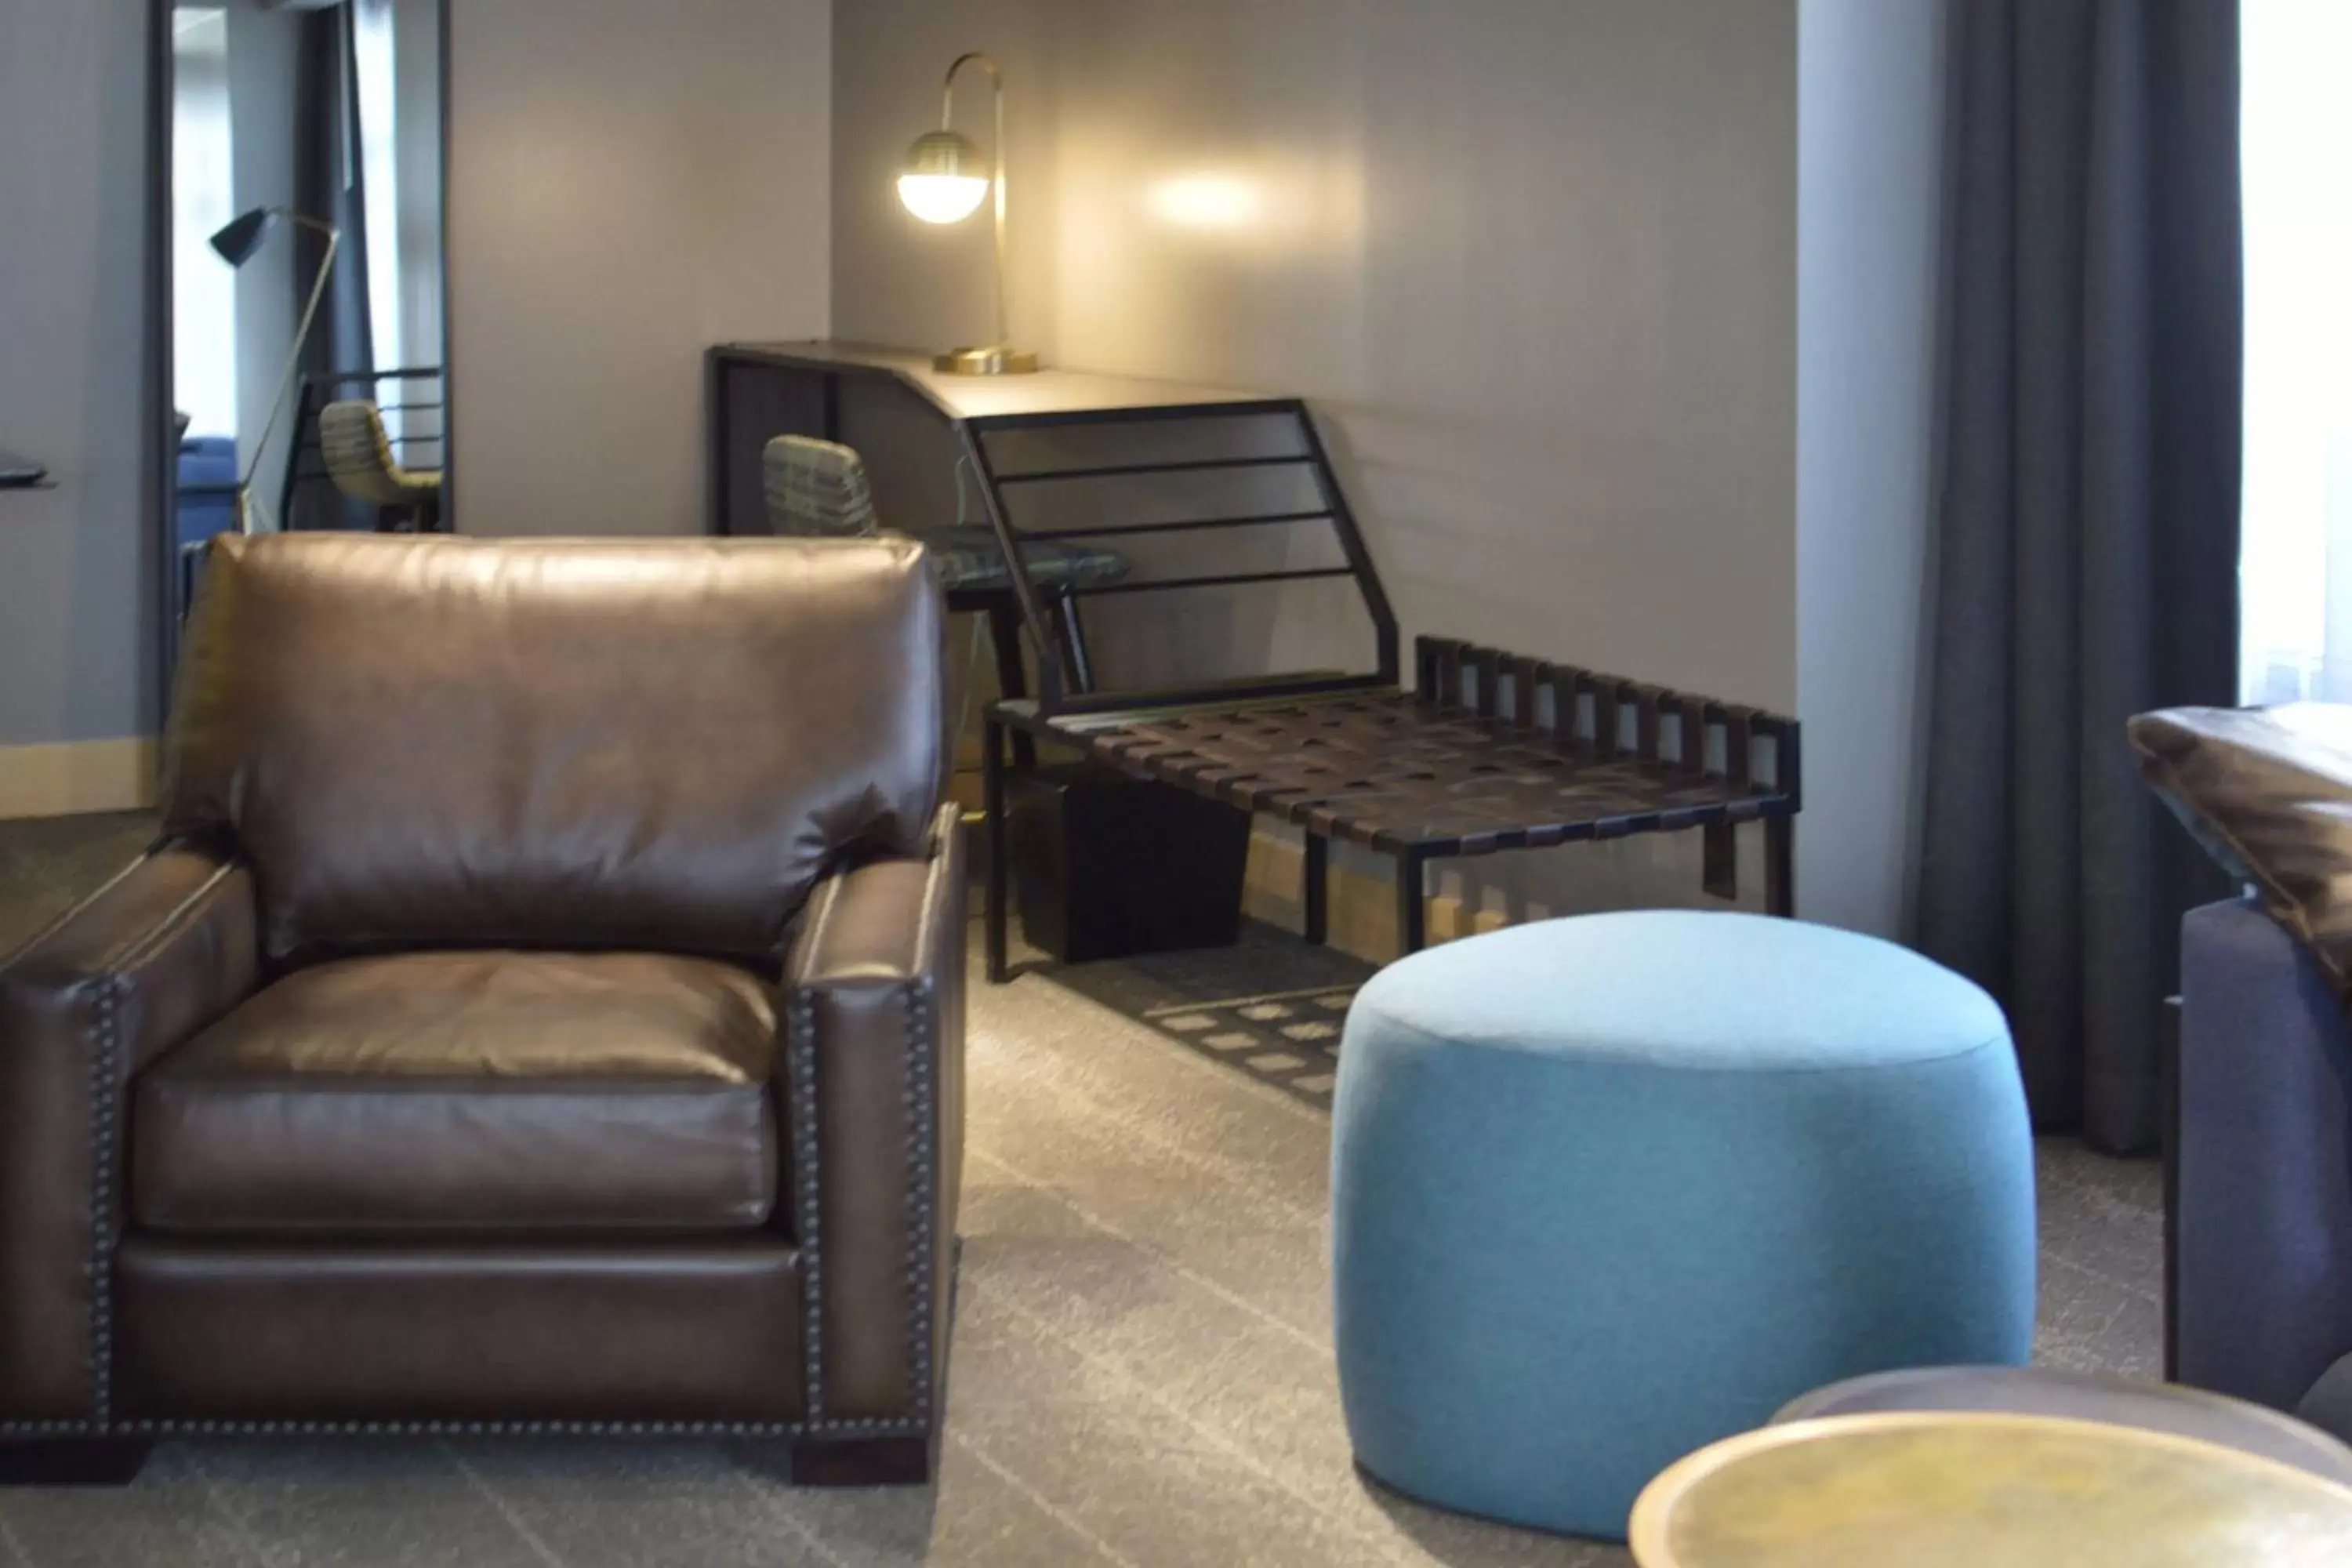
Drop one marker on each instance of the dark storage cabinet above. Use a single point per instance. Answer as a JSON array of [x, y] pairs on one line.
[[1105, 865]]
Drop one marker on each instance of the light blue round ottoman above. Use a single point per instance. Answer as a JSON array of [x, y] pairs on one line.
[[1605, 1190]]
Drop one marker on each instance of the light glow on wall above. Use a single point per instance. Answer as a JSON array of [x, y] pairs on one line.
[[1206, 201]]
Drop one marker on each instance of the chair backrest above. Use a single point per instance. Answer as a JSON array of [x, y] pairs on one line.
[[816, 489], [631, 744], [358, 457]]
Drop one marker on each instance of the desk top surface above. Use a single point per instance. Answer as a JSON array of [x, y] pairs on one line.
[[958, 397]]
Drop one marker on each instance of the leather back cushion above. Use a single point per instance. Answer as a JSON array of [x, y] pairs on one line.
[[555, 742], [2268, 793]]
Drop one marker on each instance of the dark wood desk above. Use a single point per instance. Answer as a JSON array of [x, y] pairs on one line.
[[756, 391], [1468, 763]]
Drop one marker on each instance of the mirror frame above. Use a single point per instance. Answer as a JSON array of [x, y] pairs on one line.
[[162, 467]]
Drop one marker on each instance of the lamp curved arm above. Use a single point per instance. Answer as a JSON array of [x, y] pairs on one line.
[[333, 233], [947, 90], [996, 157]]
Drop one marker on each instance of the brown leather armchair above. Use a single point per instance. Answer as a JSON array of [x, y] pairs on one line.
[[541, 1013]]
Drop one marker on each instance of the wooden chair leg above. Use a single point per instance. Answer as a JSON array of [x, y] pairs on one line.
[[1012, 676], [1071, 633], [998, 907]]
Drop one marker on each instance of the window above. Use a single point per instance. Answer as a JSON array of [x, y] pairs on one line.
[[203, 197], [2295, 566]]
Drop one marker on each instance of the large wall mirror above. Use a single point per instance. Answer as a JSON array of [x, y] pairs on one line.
[[306, 286]]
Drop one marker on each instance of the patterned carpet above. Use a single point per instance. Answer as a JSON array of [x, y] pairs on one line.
[[1291, 1040], [1272, 1008]]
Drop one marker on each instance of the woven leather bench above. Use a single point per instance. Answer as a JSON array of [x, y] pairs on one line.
[[1491, 752]]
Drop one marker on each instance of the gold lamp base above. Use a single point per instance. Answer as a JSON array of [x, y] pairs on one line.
[[996, 361]]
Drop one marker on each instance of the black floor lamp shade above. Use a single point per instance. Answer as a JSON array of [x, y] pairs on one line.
[[241, 237]]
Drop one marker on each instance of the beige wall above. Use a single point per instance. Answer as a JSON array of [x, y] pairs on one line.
[[630, 180], [901, 281], [1534, 261]]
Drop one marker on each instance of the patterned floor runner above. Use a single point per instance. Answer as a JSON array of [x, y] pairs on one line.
[[1271, 1006]]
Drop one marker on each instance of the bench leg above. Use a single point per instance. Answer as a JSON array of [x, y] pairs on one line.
[[1719, 861], [999, 854], [1780, 865], [1314, 888], [1412, 914]]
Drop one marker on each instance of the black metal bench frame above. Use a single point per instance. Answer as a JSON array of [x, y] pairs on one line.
[[1586, 757], [1490, 752]]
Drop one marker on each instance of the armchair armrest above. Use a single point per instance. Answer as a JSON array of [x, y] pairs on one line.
[[874, 1001], [2265, 1151], [150, 959]]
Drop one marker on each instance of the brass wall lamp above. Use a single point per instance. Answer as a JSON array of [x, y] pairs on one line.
[[944, 182]]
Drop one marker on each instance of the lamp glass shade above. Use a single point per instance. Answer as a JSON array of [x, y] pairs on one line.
[[241, 236], [942, 199], [944, 180]]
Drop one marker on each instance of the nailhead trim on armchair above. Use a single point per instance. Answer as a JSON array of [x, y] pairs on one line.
[[800, 1070]]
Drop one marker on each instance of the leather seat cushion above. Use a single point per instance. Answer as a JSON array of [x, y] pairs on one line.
[[468, 1092]]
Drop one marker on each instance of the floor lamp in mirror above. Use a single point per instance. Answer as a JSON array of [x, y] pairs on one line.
[[237, 244]]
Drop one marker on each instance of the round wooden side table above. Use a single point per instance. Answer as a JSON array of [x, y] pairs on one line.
[[1963, 1489]]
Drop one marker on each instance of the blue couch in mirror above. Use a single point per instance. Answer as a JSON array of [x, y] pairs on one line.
[[205, 500], [208, 488]]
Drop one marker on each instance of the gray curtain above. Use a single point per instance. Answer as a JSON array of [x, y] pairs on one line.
[[2088, 515]]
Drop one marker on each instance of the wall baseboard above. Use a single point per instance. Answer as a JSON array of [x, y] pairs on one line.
[[72, 777]]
